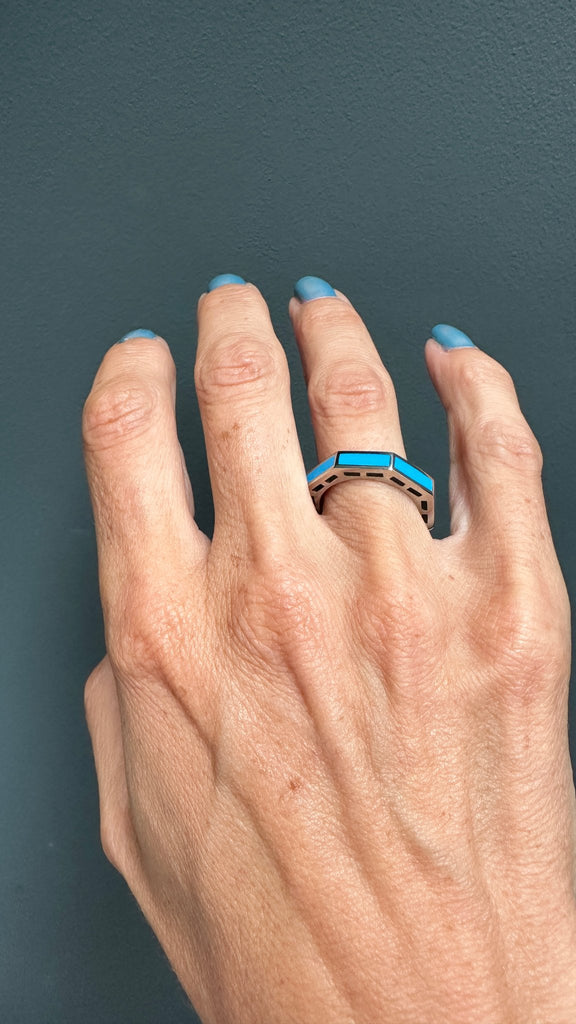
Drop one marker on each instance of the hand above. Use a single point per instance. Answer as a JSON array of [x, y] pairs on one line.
[[331, 750]]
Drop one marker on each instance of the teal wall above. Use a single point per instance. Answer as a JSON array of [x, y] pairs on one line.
[[419, 156]]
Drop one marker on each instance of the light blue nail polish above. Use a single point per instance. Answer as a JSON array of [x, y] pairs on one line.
[[307, 288], [451, 337], [140, 332], [224, 279]]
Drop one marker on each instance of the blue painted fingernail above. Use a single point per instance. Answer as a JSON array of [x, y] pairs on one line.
[[307, 288], [140, 332], [451, 337], [224, 279]]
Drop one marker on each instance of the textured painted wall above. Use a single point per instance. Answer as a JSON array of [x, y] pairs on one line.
[[419, 156]]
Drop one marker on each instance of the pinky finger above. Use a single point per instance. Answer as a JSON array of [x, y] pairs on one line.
[[496, 461]]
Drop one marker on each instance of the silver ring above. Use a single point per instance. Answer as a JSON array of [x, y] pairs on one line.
[[387, 467]]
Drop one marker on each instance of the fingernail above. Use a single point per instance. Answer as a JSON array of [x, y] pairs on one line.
[[225, 279], [451, 337], [307, 288], [140, 332]]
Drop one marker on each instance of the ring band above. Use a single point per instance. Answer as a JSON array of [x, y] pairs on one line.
[[387, 467]]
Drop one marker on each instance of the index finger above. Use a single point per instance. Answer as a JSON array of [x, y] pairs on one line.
[[141, 495]]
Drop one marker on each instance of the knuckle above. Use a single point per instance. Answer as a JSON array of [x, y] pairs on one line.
[[525, 644], [239, 361], [118, 410], [334, 316], [152, 639], [401, 620], [364, 387], [483, 372], [511, 442], [278, 609], [517, 629], [132, 653]]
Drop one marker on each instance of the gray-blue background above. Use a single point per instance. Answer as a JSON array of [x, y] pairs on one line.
[[419, 156]]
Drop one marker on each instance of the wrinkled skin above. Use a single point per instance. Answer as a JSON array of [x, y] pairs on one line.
[[332, 750]]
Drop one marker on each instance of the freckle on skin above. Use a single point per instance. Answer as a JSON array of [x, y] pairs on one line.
[[225, 434]]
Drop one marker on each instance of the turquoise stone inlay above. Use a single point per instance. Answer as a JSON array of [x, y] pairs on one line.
[[414, 474], [363, 459], [320, 469]]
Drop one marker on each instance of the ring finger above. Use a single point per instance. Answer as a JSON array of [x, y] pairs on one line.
[[353, 407]]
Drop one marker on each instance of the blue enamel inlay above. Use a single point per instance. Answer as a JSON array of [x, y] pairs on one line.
[[320, 469], [414, 474], [364, 459]]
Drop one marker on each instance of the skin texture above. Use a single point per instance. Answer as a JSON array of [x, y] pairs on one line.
[[332, 751]]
